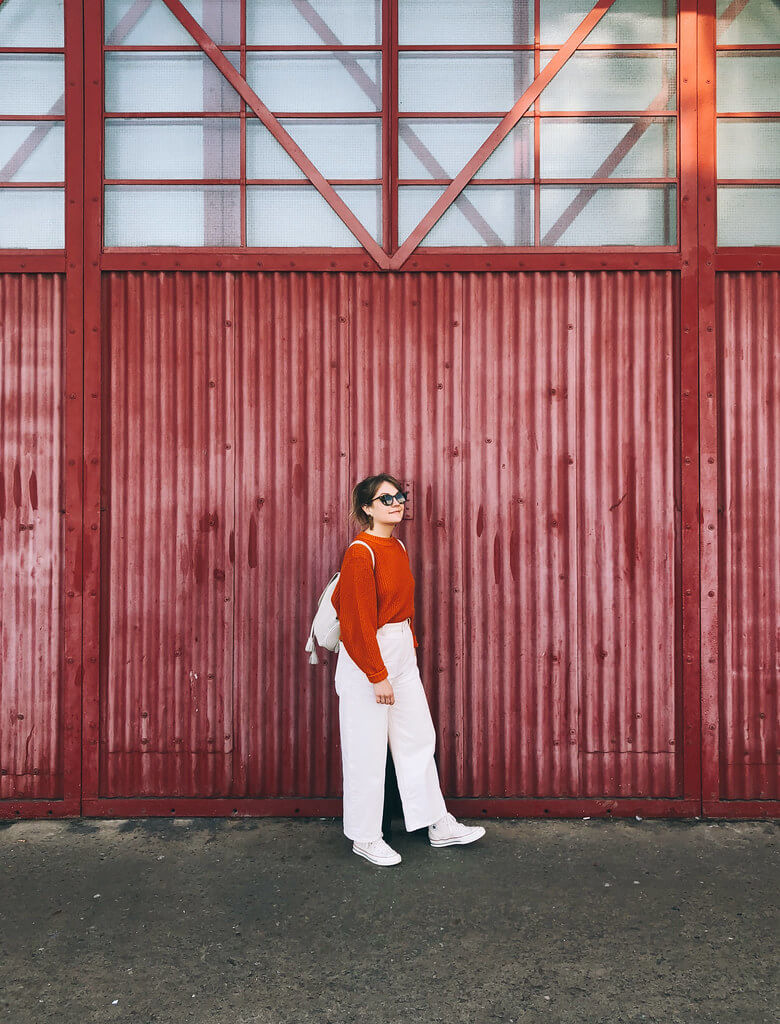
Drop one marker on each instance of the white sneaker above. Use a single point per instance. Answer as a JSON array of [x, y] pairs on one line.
[[378, 852], [449, 832]]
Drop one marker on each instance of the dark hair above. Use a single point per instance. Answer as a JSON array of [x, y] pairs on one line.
[[363, 493]]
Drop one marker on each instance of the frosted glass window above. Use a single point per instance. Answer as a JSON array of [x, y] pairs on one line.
[[32, 83], [482, 215], [464, 81], [629, 215], [757, 22], [748, 82], [585, 148], [317, 82], [32, 218], [457, 22], [748, 149], [613, 81], [136, 215], [748, 216], [185, 148], [347, 148], [441, 148], [315, 23], [32, 151], [627, 21], [167, 81], [297, 215], [32, 23], [128, 23]]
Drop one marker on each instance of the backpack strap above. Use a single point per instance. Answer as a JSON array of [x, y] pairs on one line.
[[370, 550], [401, 543]]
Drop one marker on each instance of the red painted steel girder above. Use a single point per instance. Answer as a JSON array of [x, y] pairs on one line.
[[285, 140], [500, 132]]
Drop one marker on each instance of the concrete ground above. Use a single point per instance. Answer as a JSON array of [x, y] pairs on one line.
[[203, 921]]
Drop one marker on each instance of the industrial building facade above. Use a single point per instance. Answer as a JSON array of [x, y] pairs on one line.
[[522, 254]]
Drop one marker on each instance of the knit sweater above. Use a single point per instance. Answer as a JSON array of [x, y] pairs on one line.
[[366, 598]]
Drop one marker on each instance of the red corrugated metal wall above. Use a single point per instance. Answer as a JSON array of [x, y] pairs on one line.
[[533, 415], [749, 557], [31, 536]]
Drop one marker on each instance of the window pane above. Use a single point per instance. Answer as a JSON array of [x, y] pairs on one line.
[[748, 82], [587, 147], [315, 23], [337, 148], [748, 149], [748, 216], [485, 215], [32, 83], [150, 23], [292, 215], [32, 151], [172, 215], [167, 81], [454, 21], [440, 148], [316, 82], [627, 21], [187, 148], [609, 215], [757, 22], [613, 81], [32, 218], [32, 23], [467, 82]]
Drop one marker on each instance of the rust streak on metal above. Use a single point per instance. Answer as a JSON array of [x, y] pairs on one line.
[[505, 126], [285, 140]]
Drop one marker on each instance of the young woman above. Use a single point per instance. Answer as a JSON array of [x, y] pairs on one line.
[[381, 697]]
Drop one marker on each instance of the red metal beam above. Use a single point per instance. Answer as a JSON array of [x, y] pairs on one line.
[[285, 140], [405, 132], [540, 82]]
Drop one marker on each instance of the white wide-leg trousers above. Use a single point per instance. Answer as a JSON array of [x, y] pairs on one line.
[[368, 727]]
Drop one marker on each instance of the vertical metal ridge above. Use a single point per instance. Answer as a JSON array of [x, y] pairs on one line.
[[749, 560], [31, 536], [167, 649]]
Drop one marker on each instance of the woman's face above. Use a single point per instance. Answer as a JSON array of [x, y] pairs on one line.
[[382, 513]]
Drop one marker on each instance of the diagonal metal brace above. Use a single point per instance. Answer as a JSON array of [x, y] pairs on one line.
[[500, 132], [285, 140]]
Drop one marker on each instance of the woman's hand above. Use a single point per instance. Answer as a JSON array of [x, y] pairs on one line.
[[384, 692]]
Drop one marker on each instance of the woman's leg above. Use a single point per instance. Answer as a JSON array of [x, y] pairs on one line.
[[363, 725], [412, 739]]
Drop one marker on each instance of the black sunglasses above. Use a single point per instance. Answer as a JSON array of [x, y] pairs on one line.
[[387, 499]]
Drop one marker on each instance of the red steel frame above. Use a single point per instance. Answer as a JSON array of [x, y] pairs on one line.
[[697, 260]]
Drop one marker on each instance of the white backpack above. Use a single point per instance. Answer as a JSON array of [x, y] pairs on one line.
[[325, 628]]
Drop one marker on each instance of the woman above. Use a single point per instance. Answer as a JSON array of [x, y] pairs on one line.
[[381, 697]]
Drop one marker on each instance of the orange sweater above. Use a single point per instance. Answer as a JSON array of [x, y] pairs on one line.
[[366, 599]]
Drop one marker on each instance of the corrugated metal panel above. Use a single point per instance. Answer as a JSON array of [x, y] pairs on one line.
[[408, 379], [31, 537], [166, 565], [570, 535], [749, 587], [292, 500], [532, 416]]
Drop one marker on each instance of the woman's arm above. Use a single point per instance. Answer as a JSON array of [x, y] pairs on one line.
[[357, 612]]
